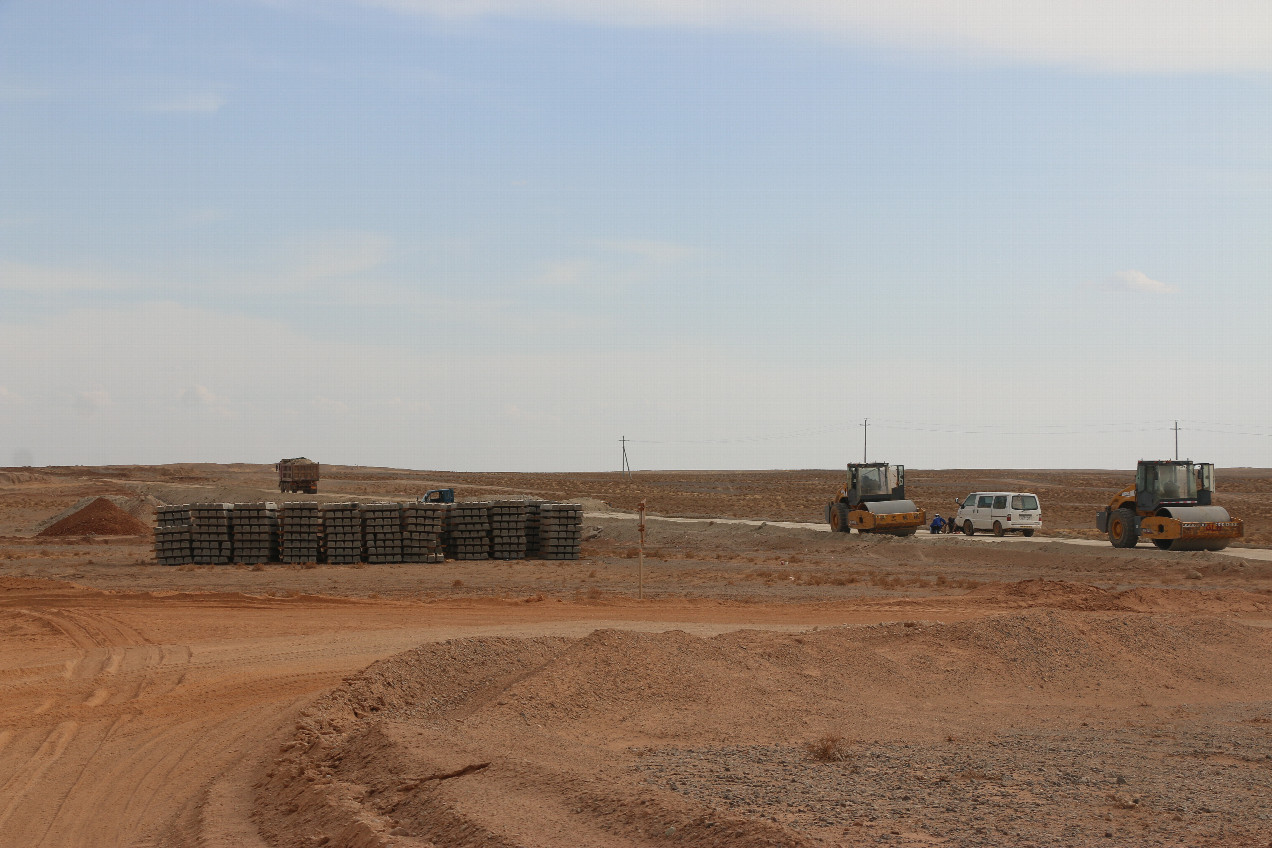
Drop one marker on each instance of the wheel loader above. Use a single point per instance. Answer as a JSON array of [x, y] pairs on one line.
[[1170, 504], [873, 501]]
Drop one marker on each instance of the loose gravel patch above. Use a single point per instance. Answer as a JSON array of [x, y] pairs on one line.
[[1149, 786]]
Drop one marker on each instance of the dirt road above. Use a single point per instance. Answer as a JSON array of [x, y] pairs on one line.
[[135, 719], [1264, 554]]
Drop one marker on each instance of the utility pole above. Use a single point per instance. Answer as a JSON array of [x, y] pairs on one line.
[[627, 468], [640, 591], [1176, 428], [865, 443]]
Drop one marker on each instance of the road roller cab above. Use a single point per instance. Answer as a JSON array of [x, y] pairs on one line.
[[1171, 504], [873, 501]]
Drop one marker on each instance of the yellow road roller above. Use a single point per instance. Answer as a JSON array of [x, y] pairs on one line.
[[873, 501], [1171, 505]]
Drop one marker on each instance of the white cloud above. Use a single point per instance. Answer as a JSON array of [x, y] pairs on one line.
[[658, 252], [1137, 282], [204, 104], [330, 406], [313, 260], [568, 273], [1121, 35], [619, 264], [410, 407], [16, 276], [88, 402], [201, 398], [337, 254]]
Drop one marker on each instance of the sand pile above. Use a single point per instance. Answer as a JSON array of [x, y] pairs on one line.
[[100, 517], [502, 741]]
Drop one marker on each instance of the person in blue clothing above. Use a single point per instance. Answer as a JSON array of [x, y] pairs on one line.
[[938, 524]]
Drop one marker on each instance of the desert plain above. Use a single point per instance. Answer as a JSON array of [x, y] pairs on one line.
[[777, 685]]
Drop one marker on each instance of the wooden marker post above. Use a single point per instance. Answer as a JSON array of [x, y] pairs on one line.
[[640, 592]]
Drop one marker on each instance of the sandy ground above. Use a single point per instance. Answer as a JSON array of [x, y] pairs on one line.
[[778, 686]]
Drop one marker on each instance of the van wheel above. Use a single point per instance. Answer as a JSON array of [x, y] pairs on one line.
[[998, 528], [968, 529], [1027, 533]]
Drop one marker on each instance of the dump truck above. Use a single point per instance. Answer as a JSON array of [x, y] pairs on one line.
[[297, 475], [873, 501], [1171, 504]]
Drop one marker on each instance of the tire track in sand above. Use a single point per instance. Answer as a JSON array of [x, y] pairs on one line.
[[109, 653], [16, 790]]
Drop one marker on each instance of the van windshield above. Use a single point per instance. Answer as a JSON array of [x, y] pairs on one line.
[[1024, 502]]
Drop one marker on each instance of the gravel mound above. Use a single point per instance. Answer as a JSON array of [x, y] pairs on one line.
[[100, 517], [623, 738]]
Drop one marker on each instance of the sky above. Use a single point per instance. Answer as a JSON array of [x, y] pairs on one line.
[[504, 234]]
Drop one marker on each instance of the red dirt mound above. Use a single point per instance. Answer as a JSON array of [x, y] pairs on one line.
[[99, 518]]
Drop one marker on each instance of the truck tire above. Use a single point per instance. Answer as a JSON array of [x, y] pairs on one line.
[[968, 529], [1122, 530], [1027, 532], [998, 529]]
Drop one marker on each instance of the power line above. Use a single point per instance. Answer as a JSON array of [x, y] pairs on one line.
[[1040, 431]]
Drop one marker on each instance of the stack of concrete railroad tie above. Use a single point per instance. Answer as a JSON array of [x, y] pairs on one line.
[[301, 529], [532, 529], [255, 532], [560, 530], [210, 541], [341, 533], [422, 525], [508, 530], [468, 531], [382, 532], [172, 534]]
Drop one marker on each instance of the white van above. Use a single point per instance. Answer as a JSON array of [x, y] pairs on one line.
[[1001, 512]]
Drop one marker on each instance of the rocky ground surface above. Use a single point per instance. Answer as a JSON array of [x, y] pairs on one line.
[[1169, 784]]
